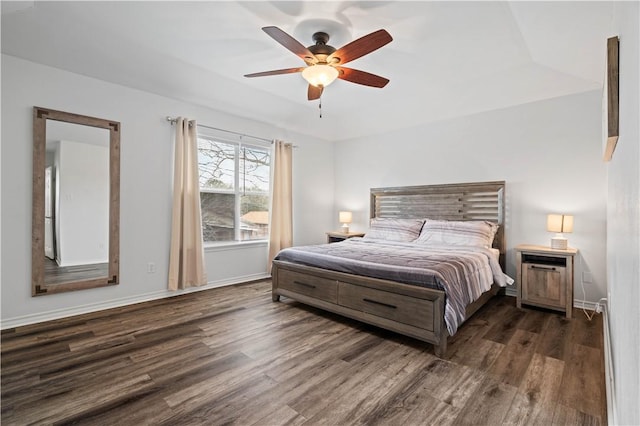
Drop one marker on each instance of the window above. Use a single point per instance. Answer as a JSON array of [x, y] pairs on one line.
[[234, 190]]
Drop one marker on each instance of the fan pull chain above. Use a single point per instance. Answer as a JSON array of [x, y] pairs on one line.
[[320, 107]]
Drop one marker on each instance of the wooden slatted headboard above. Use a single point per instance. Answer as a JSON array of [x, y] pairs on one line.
[[458, 201]]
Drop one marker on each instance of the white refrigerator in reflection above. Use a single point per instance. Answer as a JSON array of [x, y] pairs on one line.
[[49, 186]]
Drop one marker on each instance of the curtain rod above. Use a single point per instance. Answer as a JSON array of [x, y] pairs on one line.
[[173, 120]]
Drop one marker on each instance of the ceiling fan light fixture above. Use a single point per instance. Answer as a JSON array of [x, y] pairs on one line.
[[320, 75]]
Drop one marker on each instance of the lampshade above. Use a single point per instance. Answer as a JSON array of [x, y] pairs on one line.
[[560, 223], [345, 217], [320, 75]]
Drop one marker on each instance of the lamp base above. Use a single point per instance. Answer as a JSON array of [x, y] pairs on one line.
[[344, 229], [559, 243]]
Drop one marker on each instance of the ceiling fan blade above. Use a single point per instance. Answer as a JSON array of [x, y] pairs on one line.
[[275, 72], [291, 43], [360, 47], [314, 92], [361, 77]]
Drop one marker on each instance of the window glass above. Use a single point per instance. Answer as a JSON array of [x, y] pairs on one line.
[[254, 201], [234, 190], [216, 161]]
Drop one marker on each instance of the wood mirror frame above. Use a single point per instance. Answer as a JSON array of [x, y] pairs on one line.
[[39, 286]]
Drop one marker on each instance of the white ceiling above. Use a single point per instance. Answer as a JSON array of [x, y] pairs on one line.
[[447, 59]]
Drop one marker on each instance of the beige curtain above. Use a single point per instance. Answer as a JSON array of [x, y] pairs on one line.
[[186, 258], [280, 216]]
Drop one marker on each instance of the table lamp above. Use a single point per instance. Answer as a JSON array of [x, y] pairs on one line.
[[559, 223], [345, 219]]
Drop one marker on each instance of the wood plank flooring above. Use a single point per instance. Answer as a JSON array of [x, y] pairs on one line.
[[232, 356]]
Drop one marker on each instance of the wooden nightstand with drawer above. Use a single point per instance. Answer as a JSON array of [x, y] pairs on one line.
[[545, 277]]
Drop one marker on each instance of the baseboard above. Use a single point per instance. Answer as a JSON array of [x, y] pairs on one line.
[[116, 303], [612, 418], [581, 304], [585, 304]]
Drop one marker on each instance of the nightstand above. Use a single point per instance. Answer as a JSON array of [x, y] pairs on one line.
[[337, 236], [545, 277]]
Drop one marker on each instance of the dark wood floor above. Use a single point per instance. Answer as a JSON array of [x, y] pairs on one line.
[[232, 356]]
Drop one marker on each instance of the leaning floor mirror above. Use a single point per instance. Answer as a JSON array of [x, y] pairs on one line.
[[76, 202]]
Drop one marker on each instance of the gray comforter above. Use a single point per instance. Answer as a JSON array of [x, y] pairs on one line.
[[464, 273]]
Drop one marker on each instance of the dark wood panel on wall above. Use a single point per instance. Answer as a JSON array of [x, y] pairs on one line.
[[612, 113], [232, 356]]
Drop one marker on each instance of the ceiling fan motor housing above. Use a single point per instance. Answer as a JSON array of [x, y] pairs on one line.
[[321, 47]]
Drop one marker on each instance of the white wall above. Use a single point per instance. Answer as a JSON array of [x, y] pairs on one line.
[[83, 204], [146, 173], [548, 152], [623, 224]]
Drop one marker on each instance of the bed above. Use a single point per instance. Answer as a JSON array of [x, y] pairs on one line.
[[420, 283]]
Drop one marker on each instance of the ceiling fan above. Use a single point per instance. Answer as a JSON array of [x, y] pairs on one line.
[[324, 62]]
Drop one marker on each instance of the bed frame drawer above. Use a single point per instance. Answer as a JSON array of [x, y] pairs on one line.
[[308, 285], [397, 307]]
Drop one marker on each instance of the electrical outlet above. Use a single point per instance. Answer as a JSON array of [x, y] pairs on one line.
[[151, 268], [587, 277]]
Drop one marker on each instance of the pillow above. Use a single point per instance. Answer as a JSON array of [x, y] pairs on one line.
[[394, 229], [478, 233]]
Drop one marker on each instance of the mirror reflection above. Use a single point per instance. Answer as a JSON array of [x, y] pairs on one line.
[[76, 202]]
